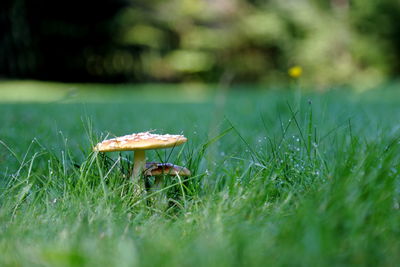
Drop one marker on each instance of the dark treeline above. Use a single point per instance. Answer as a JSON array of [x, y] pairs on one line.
[[353, 42], [47, 39]]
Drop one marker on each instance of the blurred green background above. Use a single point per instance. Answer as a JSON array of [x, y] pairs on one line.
[[336, 42]]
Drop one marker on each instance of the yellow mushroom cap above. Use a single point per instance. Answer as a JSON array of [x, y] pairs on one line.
[[140, 141]]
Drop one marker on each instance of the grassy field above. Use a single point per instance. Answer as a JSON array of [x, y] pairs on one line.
[[277, 180]]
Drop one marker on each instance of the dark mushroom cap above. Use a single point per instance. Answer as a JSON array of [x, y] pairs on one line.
[[158, 169]]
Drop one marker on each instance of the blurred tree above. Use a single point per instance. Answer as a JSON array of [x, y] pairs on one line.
[[47, 39], [379, 23], [335, 41]]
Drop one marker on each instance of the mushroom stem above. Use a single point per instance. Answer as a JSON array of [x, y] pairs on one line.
[[139, 163]]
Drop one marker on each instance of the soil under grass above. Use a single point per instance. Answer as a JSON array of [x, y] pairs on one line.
[[273, 183]]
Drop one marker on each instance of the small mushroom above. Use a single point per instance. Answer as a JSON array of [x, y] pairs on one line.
[[159, 169], [139, 143]]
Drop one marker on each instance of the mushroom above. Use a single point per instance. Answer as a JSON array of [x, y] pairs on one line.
[[160, 169], [139, 143]]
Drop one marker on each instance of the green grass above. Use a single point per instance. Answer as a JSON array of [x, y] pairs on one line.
[[273, 183]]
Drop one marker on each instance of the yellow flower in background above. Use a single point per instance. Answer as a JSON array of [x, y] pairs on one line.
[[295, 71]]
